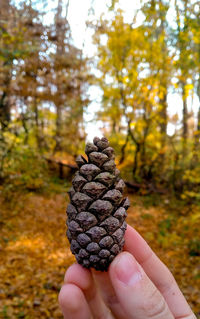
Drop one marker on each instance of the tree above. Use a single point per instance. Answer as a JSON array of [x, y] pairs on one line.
[[156, 28], [184, 62], [134, 74], [67, 83], [194, 25], [7, 55], [44, 77]]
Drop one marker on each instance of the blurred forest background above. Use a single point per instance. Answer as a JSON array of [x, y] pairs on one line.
[[45, 85]]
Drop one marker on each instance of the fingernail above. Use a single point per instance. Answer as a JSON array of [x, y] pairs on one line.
[[127, 270]]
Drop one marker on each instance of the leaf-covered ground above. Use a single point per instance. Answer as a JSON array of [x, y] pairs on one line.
[[34, 252]]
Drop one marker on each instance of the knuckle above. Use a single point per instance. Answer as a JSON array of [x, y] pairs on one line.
[[103, 315], [188, 316], [156, 307], [112, 300], [61, 297], [168, 284]]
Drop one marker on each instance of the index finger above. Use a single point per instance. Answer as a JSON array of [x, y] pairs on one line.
[[158, 273]]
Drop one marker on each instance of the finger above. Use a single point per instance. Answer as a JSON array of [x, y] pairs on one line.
[[108, 294], [73, 303], [83, 279], [137, 294], [158, 273]]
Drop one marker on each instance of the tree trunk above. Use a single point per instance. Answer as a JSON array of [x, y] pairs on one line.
[[163, 122], [4, 110], [58, 137], [5, 115], [185, 121], [143, 160], [123, 149], [59, 53], [198, 126], [37, 128], [196, 145], [197, 135], [163, 130], [135, 164]]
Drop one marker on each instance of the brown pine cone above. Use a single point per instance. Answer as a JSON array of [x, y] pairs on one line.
[[97, 209]]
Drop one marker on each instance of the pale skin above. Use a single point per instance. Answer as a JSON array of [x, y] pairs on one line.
[[137, 286]]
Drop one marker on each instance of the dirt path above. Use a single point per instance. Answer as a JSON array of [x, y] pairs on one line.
[[34, 254]]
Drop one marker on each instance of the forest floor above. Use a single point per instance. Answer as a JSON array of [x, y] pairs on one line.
[[34, 252]]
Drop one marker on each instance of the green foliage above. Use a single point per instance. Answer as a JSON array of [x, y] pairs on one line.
[[191, 191], [165, 226], [152, 200], [4, 313], [24, 170], [194, 247]]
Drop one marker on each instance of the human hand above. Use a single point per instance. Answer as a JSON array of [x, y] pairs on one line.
[[137, 286]]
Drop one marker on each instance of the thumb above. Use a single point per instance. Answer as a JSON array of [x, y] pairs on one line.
[[136, 293]]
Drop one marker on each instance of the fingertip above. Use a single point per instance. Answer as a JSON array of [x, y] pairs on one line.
[[129, 233], [79, 276], [135, 291], [69, 297], [73, 303], [128, 228], [70, 271], [117, 259], [125, 269]]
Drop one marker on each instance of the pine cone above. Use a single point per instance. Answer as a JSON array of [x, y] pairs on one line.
[[97, 212]]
